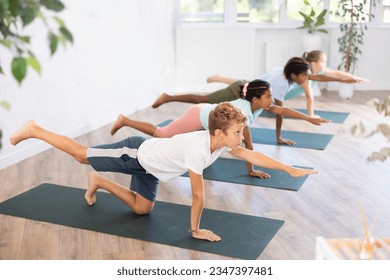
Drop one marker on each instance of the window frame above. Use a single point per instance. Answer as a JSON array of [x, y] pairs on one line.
[[230, 13]]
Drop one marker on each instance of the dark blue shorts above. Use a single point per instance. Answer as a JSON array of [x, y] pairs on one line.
[[121, 157]]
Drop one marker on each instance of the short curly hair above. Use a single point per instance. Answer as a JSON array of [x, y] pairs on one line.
[[223, 116]]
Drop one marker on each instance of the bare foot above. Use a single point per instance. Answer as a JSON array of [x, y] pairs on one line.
[[93, 186], [25, 132], [119, 123], [213, 78], [163, 98]]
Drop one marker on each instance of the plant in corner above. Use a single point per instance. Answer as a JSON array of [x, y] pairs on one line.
[[352, 30], [353, 27]]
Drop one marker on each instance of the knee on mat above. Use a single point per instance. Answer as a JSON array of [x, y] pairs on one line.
[[142, 212]]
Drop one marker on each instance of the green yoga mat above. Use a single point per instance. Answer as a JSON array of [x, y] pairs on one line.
[[234, 171], [243, 236], [316, 141], [335, 117]]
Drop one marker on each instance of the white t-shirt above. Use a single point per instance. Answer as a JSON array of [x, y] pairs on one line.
[[281, 89], [168, 158], [278, 82]]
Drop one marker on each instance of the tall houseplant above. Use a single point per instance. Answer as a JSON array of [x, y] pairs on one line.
[[313, 20], [351, 42], [352, 32]]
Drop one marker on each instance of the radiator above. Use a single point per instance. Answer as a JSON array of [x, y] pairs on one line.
[[277, 53]]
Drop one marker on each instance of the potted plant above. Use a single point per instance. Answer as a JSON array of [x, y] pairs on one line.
[[312, 21], [352, 29]]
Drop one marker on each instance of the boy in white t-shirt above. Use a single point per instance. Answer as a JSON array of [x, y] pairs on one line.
[[151, 160]]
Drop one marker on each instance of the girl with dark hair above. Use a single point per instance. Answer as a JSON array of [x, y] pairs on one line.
[[256, 96], [293, 80]]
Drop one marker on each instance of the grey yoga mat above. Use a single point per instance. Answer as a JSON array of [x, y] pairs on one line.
[[243, 236], [335, 117], [235, 171], [317, 141]]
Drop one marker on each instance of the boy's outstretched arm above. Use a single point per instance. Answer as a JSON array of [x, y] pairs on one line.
[[260, 159], [197, 208]]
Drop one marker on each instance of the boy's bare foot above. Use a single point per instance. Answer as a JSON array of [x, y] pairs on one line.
[[119, 123], [160, 100], [93, 186], [90, 196], [213, 78], [25, 132]]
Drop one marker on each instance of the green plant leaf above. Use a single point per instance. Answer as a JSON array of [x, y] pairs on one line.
[[53, 5], [27, 15], [4, 7], [14, 7], [68, 35], [322, 14], [59, 21], [53, 39], [6, 43], [1, 70], [5, 105], [34, 63], [19, 68]]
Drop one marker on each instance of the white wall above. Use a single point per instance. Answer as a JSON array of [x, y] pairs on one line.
[[121, 59], [240, 53]]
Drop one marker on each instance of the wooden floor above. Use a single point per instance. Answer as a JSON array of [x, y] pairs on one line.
[[328, 204]]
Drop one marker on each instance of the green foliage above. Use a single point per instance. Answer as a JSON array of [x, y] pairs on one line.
[[383, 109], [312, 21], [17, 14], [352, 32], [6, 106]]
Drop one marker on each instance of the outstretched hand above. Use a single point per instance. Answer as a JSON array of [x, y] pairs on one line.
[[299, 172], [259, 174], [353, 80], [319, 121], [205, 234]]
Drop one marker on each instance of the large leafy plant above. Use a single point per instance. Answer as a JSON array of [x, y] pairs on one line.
[[15, 15], [353, 29], [313, 20]]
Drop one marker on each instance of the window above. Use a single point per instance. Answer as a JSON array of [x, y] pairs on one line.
[[258, 11], [202, 10], [272, 13]]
